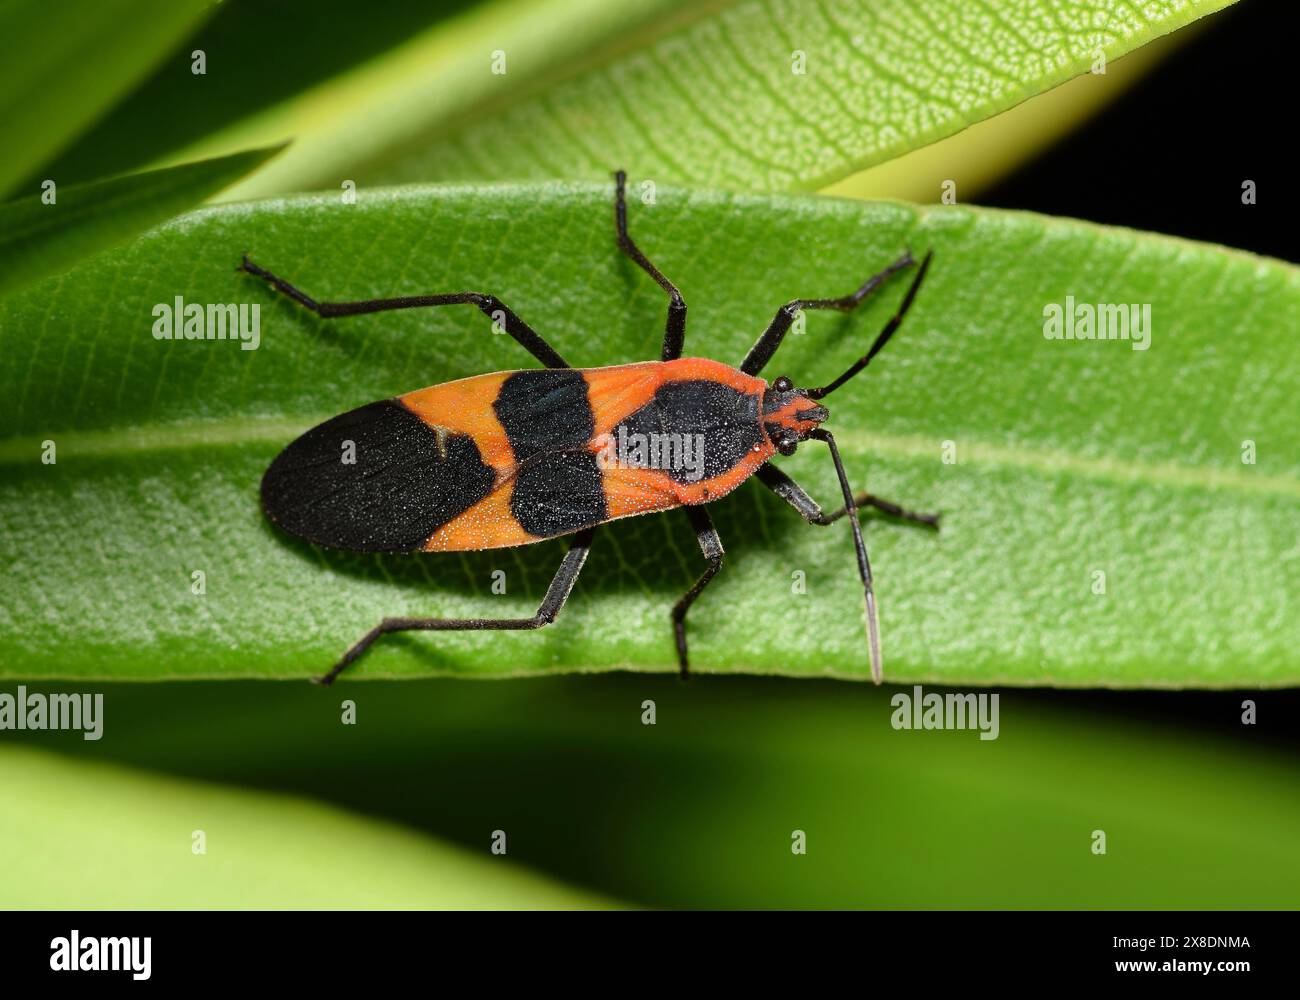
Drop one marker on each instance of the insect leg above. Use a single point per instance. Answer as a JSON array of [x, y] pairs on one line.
[[882, 338], [556, 594], [711, 546], [675, 328], [761, 353], [494, 308], [860, 547], [795, 495]]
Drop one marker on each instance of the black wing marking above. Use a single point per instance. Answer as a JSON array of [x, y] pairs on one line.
[[406, 481]]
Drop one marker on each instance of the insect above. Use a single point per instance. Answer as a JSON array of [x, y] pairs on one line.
[[516, 457]]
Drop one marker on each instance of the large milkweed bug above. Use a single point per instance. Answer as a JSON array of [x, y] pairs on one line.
[[520, 456]]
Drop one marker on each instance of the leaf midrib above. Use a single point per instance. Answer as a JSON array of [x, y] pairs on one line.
[[145, 439]]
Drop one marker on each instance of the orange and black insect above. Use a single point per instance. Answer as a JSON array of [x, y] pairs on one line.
[[521, 456]]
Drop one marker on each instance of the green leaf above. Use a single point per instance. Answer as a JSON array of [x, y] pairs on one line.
[[1071, 458], [37, 239], [994, 147], [62, 65], [100, 837], [717, 101], [703, 95]]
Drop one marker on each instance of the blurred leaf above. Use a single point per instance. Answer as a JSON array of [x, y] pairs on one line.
[[63, 63], [260, 55], [1072, 458], [99, 837], [698, 809], [369, 113], [37, 239]]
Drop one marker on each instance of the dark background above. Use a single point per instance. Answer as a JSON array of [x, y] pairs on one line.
[[1171, 154]]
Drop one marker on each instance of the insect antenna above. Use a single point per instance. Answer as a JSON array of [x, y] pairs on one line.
[[882, 339], [864, 565]]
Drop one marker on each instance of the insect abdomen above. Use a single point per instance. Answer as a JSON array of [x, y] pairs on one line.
[[374, 479]]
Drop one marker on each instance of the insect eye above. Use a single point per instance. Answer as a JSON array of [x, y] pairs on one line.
[[787, 444], [782, 384]]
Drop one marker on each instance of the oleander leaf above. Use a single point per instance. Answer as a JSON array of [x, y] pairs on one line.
[[1113, 516], [739, 94], [777, 96]]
